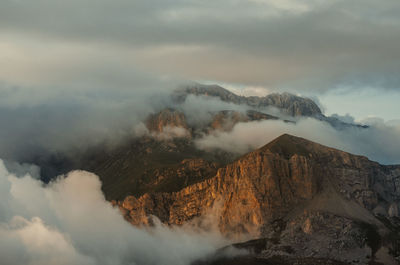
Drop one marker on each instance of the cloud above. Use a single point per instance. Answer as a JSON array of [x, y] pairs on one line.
[[380, 142], [69, 222], [200, 110], [94, 74], [292, 44], [65, 117], [347, 118]]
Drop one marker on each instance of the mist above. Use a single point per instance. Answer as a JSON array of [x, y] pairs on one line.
[[200, 110], [380, 142], [69, 222], [71, 118]]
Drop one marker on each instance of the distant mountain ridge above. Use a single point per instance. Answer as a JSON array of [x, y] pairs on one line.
[[290, 104], [287, 103]]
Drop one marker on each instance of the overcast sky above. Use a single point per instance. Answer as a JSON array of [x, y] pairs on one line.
[[346, 53]]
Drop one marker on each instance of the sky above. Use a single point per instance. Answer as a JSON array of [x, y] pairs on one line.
[[344, 53]]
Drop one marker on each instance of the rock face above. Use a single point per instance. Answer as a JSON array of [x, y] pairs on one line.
[[288, 103], [292, 190], [166, 118]]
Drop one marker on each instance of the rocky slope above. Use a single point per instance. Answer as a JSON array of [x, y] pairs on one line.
[[308, 200]]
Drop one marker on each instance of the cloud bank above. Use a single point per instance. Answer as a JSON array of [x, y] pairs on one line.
[[69, 222], [380, 142], [50, 119], [94, 73], [303, 45]]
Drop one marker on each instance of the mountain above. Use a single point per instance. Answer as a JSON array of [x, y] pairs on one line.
[[298, 201], [305, 199]]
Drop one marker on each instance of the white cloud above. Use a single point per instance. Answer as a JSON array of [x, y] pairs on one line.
[[380, 142], [69, 222]]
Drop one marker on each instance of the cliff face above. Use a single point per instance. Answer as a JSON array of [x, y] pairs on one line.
[[287, 186]]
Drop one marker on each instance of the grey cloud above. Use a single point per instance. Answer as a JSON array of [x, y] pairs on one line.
[[345, 118], [65, 119], [304, 45]]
